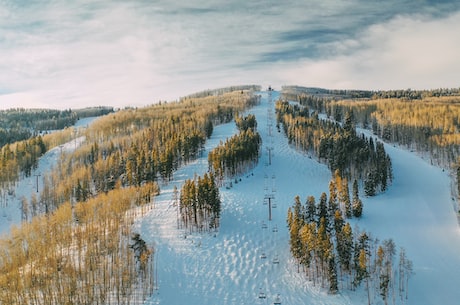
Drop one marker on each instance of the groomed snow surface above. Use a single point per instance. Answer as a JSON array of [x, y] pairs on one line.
[[227, 268]]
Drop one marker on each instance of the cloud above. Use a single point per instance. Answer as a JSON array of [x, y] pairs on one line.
[[63, 54], [417, 52]]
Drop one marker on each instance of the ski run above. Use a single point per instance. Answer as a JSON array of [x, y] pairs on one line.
[[248, 261]]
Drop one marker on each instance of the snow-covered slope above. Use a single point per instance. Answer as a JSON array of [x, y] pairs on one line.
[[227, 268], [10, 212]]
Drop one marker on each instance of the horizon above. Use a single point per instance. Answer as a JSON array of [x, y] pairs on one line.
[[107, 53]]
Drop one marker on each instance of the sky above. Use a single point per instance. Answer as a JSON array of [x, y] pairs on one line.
[[74, 54]]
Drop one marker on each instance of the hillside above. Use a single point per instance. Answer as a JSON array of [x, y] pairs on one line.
[[228, 269], [227, 266]]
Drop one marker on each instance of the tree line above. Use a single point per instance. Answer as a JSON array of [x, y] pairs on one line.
[[337, 144], [18, 160], [21, 124], [292, 92], [238, 153], [88, 254], [84, 253], [137, 146], [334, 256], [200, 205], [422, 120]]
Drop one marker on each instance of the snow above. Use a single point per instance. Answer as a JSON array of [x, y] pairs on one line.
[[227, 268], [10, 212]]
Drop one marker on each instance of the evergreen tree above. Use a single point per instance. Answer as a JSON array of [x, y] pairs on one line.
[[333, 200], [357, 205], [332, 275], [346, 199], [322, 209], [310, 210], [370, 184]]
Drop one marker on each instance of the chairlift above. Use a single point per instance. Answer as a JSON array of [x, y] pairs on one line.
[[277, 300], [276, 260], [263, 255], [262, 294], [264, 225], [273, 205], [275, 229]]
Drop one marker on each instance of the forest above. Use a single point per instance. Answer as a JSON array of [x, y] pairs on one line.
[[425, 121], [21, 124], [238, 154], [95, 192], [334, 256], [338, 145], [81, 253], [200, 206]]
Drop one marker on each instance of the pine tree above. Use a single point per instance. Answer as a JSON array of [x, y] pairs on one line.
[[357, 205], [332, 275], [322, 212], [346, 199], [333, 203], [310, 211], [370, 184]]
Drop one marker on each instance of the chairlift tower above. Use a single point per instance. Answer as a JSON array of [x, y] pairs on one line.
[[270, 149], [269, 197], [37, 175]]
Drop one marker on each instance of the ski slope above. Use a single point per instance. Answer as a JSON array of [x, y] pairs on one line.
[[10, 212], [227, 268]]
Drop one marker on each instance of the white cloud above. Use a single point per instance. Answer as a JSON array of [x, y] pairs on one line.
[[406, 52], [85, 53]]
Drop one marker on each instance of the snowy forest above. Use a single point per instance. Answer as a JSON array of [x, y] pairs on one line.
[[422, 120], [331, 255], [92, 196], [353, 155], [79, 241], [238, 154], [21, 124]]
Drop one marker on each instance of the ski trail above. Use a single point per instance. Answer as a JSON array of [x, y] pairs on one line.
[[250, 254]]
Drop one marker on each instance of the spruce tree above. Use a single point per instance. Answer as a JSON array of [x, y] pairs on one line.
[[332, 275], [357, 205], [346, 199], [310, 211], [322, 209]]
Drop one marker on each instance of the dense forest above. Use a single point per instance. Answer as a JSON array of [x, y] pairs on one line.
[[94, 193], [335, 256], [239, 153], [426, 121], [22, 124], [92, 196], [338, 145], [199, 206], [83, 253]]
